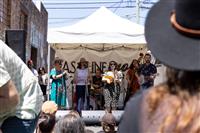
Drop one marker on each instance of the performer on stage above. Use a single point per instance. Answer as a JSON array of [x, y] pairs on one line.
[[132, 77], [111, 91], [58, 86], [81, 80]]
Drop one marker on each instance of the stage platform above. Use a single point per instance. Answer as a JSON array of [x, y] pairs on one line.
[[91, 117]]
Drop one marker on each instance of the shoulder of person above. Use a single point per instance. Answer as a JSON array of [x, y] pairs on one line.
[[133, 109], [35, 71], [53, 69], [101, 132], [77, 69], [129, 71], [141, 66]]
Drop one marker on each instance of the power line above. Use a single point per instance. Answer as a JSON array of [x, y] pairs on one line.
[[88, 3], [144, 2], [69, 18], [66, 8], [118, 5], [49, 5], [83, 3], [124, 16], [60, 8]]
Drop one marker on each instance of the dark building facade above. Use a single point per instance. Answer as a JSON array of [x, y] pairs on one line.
[[31, 18]]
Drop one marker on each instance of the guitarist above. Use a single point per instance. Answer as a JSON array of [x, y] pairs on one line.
[[148, 71]]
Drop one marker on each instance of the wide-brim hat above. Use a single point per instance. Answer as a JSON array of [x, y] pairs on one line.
[[82, 60], [173, 45]]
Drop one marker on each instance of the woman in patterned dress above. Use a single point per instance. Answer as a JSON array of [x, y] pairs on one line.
[[112, 88]]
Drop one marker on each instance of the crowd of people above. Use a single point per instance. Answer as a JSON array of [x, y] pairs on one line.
[[70, 123], [172, 106]]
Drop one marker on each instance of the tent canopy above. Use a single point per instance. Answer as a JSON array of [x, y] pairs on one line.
[[102, 30]]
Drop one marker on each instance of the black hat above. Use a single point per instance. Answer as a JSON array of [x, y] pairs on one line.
[[172, 32]]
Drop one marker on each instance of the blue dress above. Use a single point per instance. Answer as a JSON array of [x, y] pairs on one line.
[[58, 89]]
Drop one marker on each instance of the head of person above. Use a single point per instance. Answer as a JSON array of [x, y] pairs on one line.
[[134, 64], [176, 44], [108, 122], [73, 112], [82, 63], [41, 71], [47, 118], [112, 66], [98, 73], [147, 58], [58, 63], [141, 55], [140, 58], [46, 123], [71, 123], [30, 64]]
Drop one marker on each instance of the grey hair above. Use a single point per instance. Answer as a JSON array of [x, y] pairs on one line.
[[70, 124]]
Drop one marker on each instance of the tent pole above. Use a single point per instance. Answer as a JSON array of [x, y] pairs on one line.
[[48, 60]]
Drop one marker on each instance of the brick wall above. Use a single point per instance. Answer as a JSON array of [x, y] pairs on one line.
[[23, 14]]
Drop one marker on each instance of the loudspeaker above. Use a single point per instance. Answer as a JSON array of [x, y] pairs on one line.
[[16, 40]]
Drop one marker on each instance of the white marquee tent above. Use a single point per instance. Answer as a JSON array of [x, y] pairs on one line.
[[101, 27], [102, 36]]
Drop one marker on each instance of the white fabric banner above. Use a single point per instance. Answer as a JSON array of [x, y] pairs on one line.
[[97, 59]]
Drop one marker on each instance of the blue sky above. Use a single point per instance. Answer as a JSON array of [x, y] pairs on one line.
[[68, 12]]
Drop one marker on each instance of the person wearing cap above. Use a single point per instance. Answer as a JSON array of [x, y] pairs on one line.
[[58, 85], [172, 32], [30, 66], [20, 94], [47, 118], [81, 80], [108, 123]]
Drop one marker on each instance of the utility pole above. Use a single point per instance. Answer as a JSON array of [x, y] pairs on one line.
[[138, 11]]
